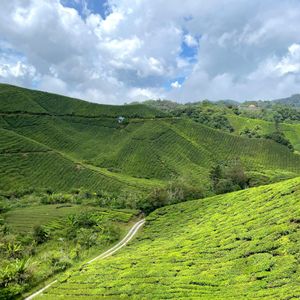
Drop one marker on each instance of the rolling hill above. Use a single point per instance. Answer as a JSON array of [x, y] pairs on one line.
[[16, 99], [51, 141], [242, 245]]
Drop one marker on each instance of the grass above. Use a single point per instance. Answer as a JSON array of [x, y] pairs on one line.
[[82, 145], [242, 245]]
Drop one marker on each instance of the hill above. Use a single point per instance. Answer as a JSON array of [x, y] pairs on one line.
[[67, 143], [15, 99], [242, 245], [293, 101]]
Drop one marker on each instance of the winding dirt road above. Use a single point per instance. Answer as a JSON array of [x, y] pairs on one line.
[[107, 253]]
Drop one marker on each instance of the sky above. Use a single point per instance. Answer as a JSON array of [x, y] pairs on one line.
[[117, 51]]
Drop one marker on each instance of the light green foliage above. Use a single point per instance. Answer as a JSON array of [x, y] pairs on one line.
[[242, 245], [38, 241]]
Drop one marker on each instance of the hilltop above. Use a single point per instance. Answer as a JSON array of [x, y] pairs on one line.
[[21, 100], [242, 245]]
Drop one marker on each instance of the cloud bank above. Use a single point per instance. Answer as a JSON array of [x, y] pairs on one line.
[[118, 51]]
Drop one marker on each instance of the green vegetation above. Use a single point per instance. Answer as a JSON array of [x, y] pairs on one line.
[[131, 159], [243, 245], [260, 128], [39, 240], [280, 138], [229, 177], [19, 100], [74, 175]]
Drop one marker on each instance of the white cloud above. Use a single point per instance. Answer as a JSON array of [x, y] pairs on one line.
[[175, 85], [291, 62], [246, 49], [190, 40]]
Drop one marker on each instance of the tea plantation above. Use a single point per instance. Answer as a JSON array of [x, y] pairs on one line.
[[243, 245], [51, 141], [75, 176]]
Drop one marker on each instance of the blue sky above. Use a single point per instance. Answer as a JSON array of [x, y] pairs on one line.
[[119, 51], [94, 6]]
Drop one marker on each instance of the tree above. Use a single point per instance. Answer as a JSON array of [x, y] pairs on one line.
[[215, 175], [228, 177]]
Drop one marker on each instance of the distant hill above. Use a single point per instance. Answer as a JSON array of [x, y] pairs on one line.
[[242, 245], [293, 101]]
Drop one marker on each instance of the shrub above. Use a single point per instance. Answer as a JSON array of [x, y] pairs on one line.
[[14, 279], [40, 235], [228, 177], [59, 261], [174, 192], [86, 238], [280, 138], [82, 220], [225, 186], [251, 133]]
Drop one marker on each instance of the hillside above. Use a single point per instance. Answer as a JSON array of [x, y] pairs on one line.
[[293, 101], [43, 149], [291, 131], [15, 99], [242, 245]]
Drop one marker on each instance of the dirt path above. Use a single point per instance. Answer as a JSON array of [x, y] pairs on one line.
[[107, 253]]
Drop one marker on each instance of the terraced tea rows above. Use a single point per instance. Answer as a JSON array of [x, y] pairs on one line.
[[74, 150], [23, 220], [16, 99], [242, 245]]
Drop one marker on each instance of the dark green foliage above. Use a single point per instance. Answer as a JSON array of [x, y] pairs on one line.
[[280, 138], [40, 235], [286, 114], [207, 115], [14, 279], [174, 192], [251, 133], [228, 177]]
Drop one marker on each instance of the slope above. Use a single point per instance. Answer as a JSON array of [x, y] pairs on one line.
[[25, 164], [15, 99], [242, 245], [291, 131]]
